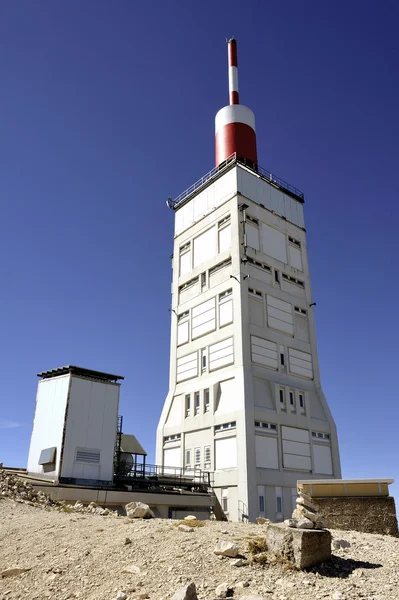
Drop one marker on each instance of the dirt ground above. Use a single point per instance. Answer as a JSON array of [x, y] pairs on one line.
[[72, 555]]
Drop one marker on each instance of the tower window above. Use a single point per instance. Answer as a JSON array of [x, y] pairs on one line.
[[206, 400], [292, 398], [282, 359], [188, 458], [187, 405], [207, 457], [225, 500], [203, 281], [197, 457], [294, 242], [301, 311], [276, 276], [282, 398], [203, 359], [197, 402]]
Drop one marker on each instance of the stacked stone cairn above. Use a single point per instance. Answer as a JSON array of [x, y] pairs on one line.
[[305, 515]]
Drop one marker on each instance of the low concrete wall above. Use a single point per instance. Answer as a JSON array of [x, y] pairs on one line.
[[367, 514]]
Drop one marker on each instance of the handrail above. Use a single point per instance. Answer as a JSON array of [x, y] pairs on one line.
[[216, 171]]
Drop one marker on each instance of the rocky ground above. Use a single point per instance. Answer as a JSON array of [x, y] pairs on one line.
[[65, 555]]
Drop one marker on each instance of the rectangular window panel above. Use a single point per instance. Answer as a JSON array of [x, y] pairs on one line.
[[187, 367], [264, 352], [182, 333], [206, 400], [296, 448], [203, 318], [187, 402], [322, 460], [256, 311], [225, 239], [279, 315], [204, 247], [279, 500], [266, 452], [221, 354], [185, 263], [207, 457], [300, 363], [171, 458], [274, 243], [252, 233], [197, 457], [188, 458], [226, 453], [295, 257], [225, 313], [225, 500]]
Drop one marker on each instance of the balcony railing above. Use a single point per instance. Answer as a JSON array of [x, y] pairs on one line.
[[163, 476], [235, 159]]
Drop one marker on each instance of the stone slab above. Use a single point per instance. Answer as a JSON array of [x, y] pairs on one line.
[[301, 547], [368, 514]]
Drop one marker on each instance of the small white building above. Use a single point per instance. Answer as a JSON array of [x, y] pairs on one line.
[[75, 426]]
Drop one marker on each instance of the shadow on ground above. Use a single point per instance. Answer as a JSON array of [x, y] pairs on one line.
[[341, 567]]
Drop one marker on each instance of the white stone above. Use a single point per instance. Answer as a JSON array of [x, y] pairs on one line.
[[185, 528], [131, 569], [338, 544], [187, 592], [222, 590], [238, 562], [121, 596], [337, 596], [190, 518], [138, 510], [226, 548], [306, 502], [304, 524]]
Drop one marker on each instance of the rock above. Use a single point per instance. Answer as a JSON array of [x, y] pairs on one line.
[[127, 541], [13, 572], [337, 596], [253, 598], [132, 569], [306, 502], [185, 528], [242, 584], [305, 524], [337, 544], [121, 596], [190, 518], [238, 562], [262, 520], [301, 547], [291, 522], [143, 596], [226, 548], [138, 510], [187, 592], [223, 591], [308, 514]]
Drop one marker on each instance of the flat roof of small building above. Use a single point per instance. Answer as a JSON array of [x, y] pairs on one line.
[[73, 370], [342, 481]]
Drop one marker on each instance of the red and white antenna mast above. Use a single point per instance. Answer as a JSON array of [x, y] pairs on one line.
[[235, 124]]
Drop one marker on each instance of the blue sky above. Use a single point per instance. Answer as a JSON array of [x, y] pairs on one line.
[[107, 108]]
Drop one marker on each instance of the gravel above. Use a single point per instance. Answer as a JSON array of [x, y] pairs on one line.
[[62, 556]]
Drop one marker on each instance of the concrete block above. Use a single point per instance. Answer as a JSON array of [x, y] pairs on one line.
[[301, 547]]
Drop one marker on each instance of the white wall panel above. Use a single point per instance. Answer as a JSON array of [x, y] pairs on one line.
[[256, 311], [279, 315], [264, 352], [252, 235], [175, 411], [295, 257], [203, 318], [266, 452], [226, 453], [51, 401], [302, 463], [299, 448], [322, 460], [221, 354], [263, 394], [300, 363], [182, 333], [295, 434], [225, 239], [272, 198], [172, 457], [274, 243], [204, 246], [187, 367], [228, 398], [91, 424], [302, 328], [185, 263], [225, 313]]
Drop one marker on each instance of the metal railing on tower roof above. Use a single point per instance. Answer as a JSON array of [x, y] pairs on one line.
[[225, 165]]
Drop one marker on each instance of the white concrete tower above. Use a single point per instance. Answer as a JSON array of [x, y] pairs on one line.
[[245, 399]]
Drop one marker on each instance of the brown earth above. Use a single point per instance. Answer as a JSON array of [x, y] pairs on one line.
[[77, 555]]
